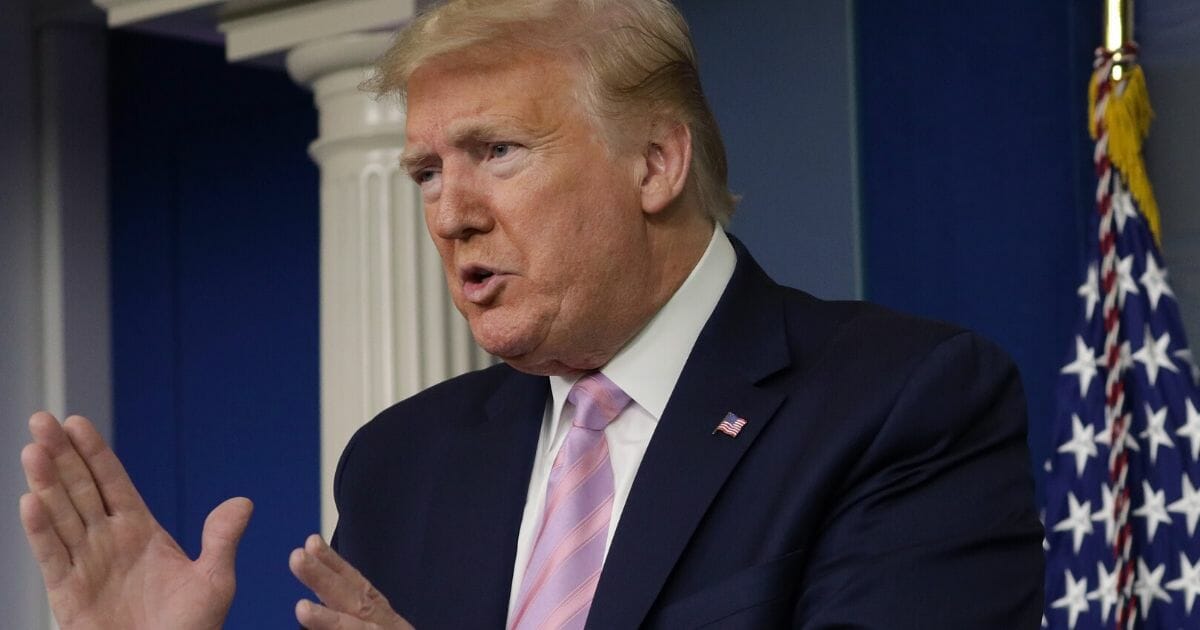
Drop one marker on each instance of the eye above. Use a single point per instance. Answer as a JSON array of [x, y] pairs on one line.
[[424, 175], [501, 149]]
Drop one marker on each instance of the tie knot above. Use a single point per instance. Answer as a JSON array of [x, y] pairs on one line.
[[597, 401]]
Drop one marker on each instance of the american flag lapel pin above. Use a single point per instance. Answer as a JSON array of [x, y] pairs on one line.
[[731, 425]]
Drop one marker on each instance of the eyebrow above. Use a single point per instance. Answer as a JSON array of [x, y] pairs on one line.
[[463, 134], [410, 160]]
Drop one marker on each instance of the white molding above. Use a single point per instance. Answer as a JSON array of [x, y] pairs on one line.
[[254, 28], [281, 29], [124, 12]]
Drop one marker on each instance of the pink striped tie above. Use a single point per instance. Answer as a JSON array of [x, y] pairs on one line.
[[568, 554]]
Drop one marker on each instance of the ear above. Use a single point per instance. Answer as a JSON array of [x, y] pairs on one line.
[[668, 160]]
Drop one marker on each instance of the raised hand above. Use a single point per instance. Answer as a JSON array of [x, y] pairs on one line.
[[106, 561], [351, 603]]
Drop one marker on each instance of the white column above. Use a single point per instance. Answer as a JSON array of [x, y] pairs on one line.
[[388, 328]]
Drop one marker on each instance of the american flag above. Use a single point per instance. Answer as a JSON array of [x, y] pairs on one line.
[[731, 425], [1123, 482]]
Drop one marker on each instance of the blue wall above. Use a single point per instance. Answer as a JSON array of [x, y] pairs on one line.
[[976, 171], [779, 78], [215, 330]]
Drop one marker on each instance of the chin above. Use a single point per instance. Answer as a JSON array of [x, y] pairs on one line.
[[521, 348], [502, 338]]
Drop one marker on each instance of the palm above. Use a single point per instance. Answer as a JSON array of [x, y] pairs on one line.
[[106, 561], [137, 567]]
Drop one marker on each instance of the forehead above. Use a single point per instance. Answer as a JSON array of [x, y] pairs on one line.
[[525, 90]]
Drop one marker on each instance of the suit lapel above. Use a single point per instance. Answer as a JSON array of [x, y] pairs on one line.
[[468, 561], [686, 464]]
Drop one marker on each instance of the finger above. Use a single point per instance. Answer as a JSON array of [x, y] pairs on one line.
[[116, 490], [316, 546], [314, 616], [48, 549], [335, 590], [338, 584], [73, 472], [42, 478], [223, 530]]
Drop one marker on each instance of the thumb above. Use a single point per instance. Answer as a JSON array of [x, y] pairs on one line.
[[222, 530]]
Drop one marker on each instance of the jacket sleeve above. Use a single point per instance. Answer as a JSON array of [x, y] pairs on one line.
[[935, 527]]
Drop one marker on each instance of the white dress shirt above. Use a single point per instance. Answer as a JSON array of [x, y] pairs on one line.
[[646, 369]]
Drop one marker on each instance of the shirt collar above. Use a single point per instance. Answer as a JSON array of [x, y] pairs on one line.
[[648, 367]]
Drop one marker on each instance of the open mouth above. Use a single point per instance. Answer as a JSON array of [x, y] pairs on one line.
[[476, 275], [481, 285]]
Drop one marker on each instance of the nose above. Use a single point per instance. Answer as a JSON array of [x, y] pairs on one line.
[[461, 209]]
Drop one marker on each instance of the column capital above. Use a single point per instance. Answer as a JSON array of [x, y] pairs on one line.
[[350, 119], [311, 61]]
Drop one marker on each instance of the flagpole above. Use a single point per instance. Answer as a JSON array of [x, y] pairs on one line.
[[1118, 31]]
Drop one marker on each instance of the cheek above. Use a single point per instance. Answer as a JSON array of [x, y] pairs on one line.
[[445, 250]]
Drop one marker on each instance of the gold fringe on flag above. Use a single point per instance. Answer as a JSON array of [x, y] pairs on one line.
[[1127, 117]]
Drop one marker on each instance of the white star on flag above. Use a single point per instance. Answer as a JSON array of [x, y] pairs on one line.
[[1079, 523], [1123, 208], [1082, 443], [1090, 290], [1105, 513], [1147, 586], [1153, 354], [1106, 590], [1154, 508], [1156, 431], [1191, 430], [1185, 355], [1125, 282], [1075, 599], [1084, 365], [1188, 581], [1155, 281], [1188, 504]]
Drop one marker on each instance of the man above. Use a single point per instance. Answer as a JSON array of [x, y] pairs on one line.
[[673, 441]]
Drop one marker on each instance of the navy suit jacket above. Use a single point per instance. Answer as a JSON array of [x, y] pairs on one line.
[[882, 481]]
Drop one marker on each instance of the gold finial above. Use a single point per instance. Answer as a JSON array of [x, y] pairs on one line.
[[1118, 31]]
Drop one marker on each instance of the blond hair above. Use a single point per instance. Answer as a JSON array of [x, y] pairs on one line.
[[637, 56]]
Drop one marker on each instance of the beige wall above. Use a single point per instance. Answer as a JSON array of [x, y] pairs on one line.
[[54, 309], [20, 327]]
